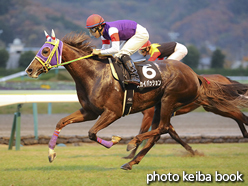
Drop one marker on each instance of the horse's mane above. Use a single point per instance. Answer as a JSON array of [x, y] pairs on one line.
[[80, 41]]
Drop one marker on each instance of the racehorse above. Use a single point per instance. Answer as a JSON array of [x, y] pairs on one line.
[[238, 116], [101, 95]]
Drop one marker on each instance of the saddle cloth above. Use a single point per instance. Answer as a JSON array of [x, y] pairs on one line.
[[149, 74]]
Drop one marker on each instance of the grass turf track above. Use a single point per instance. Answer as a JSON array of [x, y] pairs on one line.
[[92, 164]]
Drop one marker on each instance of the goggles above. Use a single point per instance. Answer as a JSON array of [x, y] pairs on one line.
[[143, 51], [93, 30]]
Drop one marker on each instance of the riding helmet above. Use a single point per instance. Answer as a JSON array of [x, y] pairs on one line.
[[147, 44], [94, 20]]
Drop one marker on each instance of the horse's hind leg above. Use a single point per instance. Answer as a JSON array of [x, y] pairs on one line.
[[175, 136], [241, 119], [147, 120], [140, 137], [166, 108], [142, 153], [243, 129], [145, 125], [132, 154], [187, 108], [151, 141], [238, 116]]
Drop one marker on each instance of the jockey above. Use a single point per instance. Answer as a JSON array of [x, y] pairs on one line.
[[133, 34], [171, 50]]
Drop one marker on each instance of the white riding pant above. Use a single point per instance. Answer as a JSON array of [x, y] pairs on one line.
[[180, 52], [135, 42]]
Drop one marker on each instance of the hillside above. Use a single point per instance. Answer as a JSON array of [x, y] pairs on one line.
[[221, 23]]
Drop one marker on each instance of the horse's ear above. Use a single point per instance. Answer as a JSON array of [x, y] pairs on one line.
[[47, 36], [53, 35]]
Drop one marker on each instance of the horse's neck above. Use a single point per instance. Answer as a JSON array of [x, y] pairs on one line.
[[83, 71]]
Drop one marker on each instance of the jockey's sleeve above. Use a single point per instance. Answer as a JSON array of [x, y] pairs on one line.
[[105, 43], [154, 56], [114, 35]]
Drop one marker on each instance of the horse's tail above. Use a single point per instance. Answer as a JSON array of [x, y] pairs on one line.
[[225, 97], [241, 91], [231, 81]]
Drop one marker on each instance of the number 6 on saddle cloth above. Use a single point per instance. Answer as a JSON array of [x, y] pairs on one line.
[[150, 78]]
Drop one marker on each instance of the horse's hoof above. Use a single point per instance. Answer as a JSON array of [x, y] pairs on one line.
[[116, 139], [128, 157], [126, 167], [51, 155], [131, 146], [192, 152]]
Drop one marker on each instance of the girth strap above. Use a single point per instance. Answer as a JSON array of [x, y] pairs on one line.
[[127, 101], [128, 91]]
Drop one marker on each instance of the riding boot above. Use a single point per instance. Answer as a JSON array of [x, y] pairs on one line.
[[127, 61]]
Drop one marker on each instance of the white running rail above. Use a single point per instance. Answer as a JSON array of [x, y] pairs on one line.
[[12, 76]]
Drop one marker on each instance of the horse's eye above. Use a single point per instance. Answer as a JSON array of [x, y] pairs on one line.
[[45, 52]]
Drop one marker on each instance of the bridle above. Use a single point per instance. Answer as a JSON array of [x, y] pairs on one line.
[[51, 61], [46, 63]]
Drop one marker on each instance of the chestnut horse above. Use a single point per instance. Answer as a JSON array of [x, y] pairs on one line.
[[101, 96], [237, 116]]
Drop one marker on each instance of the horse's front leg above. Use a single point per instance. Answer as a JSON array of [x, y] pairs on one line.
[[78, 116], [106, 118]]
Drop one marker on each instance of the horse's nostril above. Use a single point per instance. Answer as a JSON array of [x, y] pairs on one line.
[[29, 70]]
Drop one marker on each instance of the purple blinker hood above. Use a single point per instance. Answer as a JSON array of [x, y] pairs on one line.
[[54, 58]]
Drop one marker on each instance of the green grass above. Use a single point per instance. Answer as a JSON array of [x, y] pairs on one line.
[[92, 164], [42, 108]]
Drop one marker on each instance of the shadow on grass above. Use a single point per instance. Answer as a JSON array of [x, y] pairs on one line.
[[120, 155], [83, 168], [64, 168]]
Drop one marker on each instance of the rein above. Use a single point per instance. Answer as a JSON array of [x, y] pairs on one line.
[[64, 63], [46, 63]]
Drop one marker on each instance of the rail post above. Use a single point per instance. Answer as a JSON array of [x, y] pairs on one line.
[[49, 109], [35, 115], [16, 128]]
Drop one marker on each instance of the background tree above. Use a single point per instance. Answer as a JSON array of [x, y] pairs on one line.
[[26, 58], [193, 57], [4, 56], [4, 7], [218, 59], [6, 34]]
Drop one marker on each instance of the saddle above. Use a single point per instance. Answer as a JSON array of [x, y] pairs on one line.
[[149, 74]]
